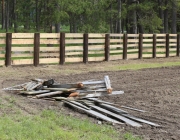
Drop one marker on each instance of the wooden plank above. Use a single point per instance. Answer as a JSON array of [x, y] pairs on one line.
[[22, 41], [74, 41], [116, 46], [73, 48], [3, 35], [172, 40], [53, 49], [49, 41], [74, 35], [133, 40], [132, 45], [22, 35], [160, 49], [49, 54], [160, 35], [147, 45], [147, 55], [22, 49], [96, 52], [48, 60], [116, 35], [96, 35], [172, 49], [172, 54], [22, 61], [116, 51], [160, 40], [49, 35], [116, 57], [173, 35], [22, 55], [96, 58], [96, 47], [96, 40], [147, 40], [74, 53], [132, 50], [161, 44], [147, 35], [133, 35], [116, 40], [2, 48], [73, 59], [2, 41], [132, 56], [2, 55]]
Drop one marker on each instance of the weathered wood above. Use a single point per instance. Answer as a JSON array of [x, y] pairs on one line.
[[108, 84], [8, 49], [22, 49], [116, 57], [34, 92], [140, 46], [116, 35], [22, 61], [133, 35], [48, 60], [49, 94], [167, 45], [125, 46], [154, 46], [50, 35], [3, 41], [133, 45], [178, 44], [132, 56], [22, 41], [85, 48], [133, 40], [48, 49], [23, 35], [102, 41], [62, 49], [49, 41], [148, 40], [74, 59], [116, 40], [74, 48], [160, 40], [161, 35], [116, 46], [147, 35], [106, 49], [36, 49]]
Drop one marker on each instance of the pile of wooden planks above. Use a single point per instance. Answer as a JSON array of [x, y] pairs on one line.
[[82, 96]]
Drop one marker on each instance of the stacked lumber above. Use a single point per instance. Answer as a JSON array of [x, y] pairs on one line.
[[82, 96]]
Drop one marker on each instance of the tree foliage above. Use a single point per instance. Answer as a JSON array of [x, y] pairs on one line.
[[131, 16]]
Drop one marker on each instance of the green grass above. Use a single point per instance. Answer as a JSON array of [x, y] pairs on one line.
[[138, 66], [50, 125]]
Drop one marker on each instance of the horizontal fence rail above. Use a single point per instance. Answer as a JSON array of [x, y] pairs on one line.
[[61, 48]]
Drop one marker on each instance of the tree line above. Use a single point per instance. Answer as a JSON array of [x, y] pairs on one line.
[[115, 16]]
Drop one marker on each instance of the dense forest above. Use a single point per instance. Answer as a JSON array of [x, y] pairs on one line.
[[115, 16]]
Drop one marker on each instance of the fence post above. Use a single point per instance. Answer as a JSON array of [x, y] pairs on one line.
[[36, 49], [107, 43], [125, 46], [85, 48], [8, 49], [167, 45], [62, 48], [178, 44], [154, 45], [140, 46]]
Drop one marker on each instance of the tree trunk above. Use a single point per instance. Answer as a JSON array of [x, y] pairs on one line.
[[160, 4], [119, 28], [3, 15], [174, 18], [166, 17], [7, 15], [57, 27], [37, 17], [15, 17]]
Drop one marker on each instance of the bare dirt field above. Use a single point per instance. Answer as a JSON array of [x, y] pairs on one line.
[[155, 90]]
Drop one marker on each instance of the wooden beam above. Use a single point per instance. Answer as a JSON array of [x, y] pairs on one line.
[[154, 45], [62, 48], [167, 45], [125, 46], [140, 46], [107, 43], [36, 49], [178, 44], [8, 49], [85, 48]]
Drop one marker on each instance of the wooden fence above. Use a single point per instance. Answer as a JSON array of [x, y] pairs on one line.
[[60, 48]]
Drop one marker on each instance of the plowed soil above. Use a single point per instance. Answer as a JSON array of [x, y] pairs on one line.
[[155, 90]]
